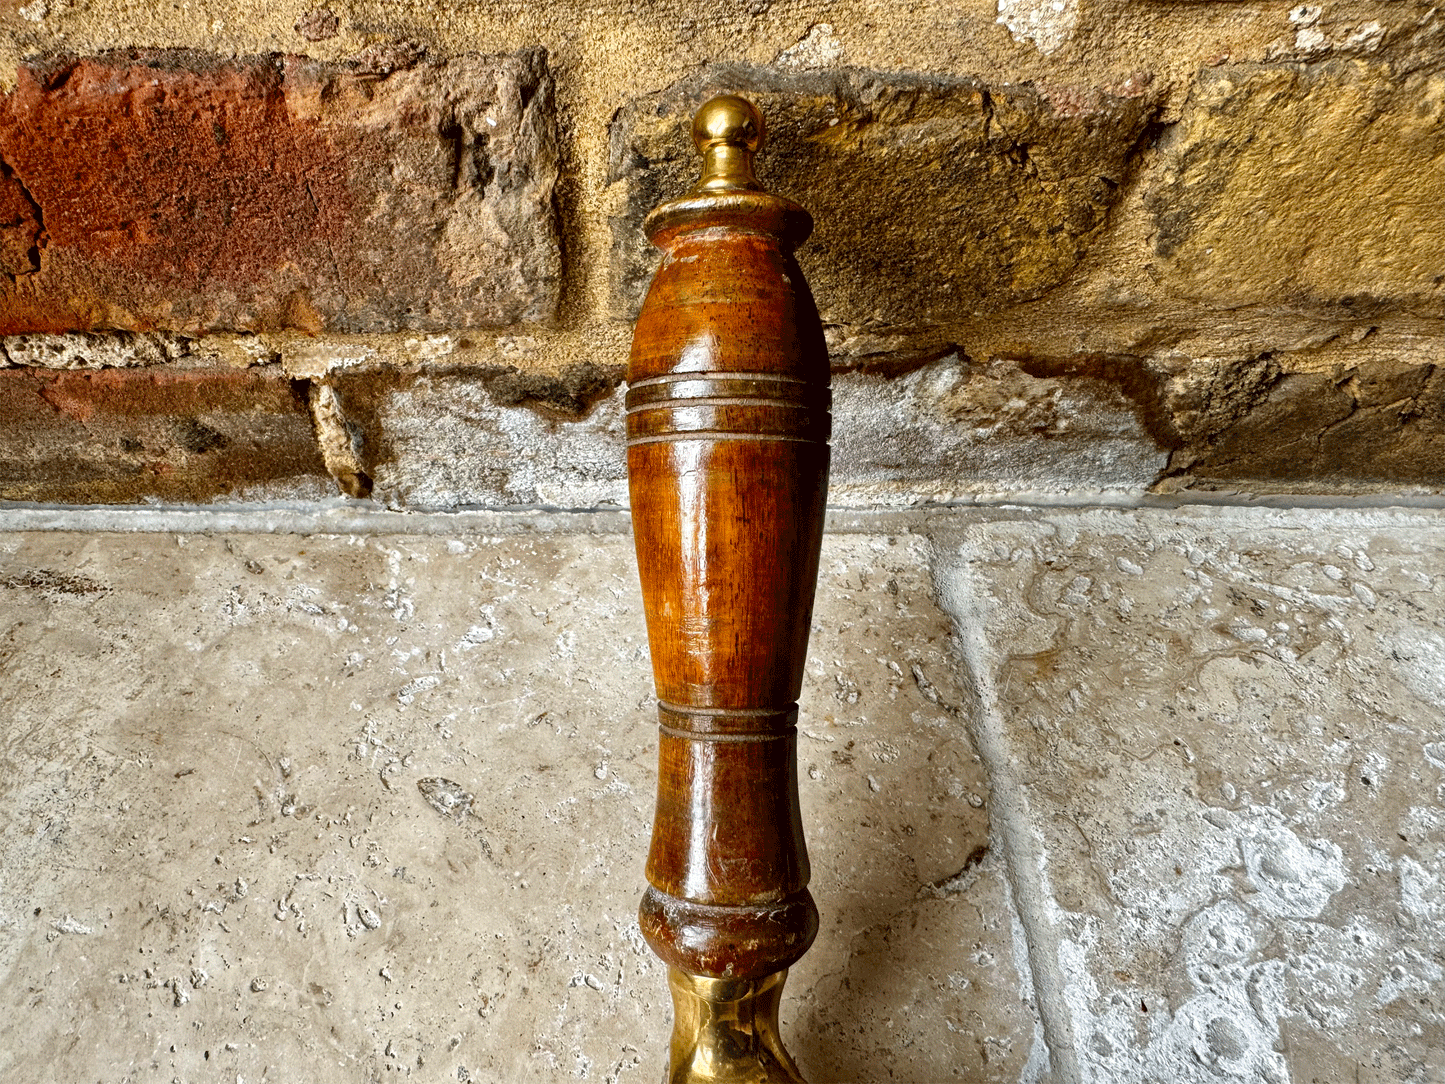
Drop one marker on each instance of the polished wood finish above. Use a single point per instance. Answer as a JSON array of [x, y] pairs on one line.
[[727, 424]]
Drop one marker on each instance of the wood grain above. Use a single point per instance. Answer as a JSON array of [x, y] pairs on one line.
[[727, 423]]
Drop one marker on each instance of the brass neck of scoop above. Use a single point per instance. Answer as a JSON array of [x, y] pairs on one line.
[[727, 168]]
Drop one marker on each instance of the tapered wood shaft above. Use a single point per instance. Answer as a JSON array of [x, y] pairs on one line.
[[727, 423]]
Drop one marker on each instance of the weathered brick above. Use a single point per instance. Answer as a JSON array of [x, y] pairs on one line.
[[1363, 417], [1374, 423], [180, 191], [122, 435], [935, 197], [1306, 185]]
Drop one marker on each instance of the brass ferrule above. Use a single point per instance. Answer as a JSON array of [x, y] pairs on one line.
[[725, 1031]]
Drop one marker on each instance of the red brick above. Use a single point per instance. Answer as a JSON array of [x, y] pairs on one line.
[[122, 435], [179, 191]]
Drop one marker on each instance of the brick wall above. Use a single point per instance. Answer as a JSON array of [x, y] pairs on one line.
[[256, 252]]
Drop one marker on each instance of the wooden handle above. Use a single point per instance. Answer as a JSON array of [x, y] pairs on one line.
[[727, 427]]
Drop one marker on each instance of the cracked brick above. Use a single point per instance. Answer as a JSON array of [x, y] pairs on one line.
[[125, 435]]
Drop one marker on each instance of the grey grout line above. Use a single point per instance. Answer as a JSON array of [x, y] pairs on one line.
[[325, 517], [1127, 499], [1009, 814], [340, 515]]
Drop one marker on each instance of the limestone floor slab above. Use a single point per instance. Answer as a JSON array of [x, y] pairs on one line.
[[919, 972], [1217, 736], [356, 808]]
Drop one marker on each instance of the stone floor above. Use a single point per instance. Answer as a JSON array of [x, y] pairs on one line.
[[1218, 736], [1092, 796]]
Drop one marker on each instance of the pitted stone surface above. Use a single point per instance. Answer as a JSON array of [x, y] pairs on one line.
[[313, 808], [183, 191], [341, 808], [956, 428], [82, 350], [489, 438], [1225, 728], [946, 431]]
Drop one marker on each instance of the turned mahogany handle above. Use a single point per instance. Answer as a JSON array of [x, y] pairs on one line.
[[727, 427]]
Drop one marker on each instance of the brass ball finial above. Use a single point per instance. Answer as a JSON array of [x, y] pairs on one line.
[[728, 119], [727, 130]]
